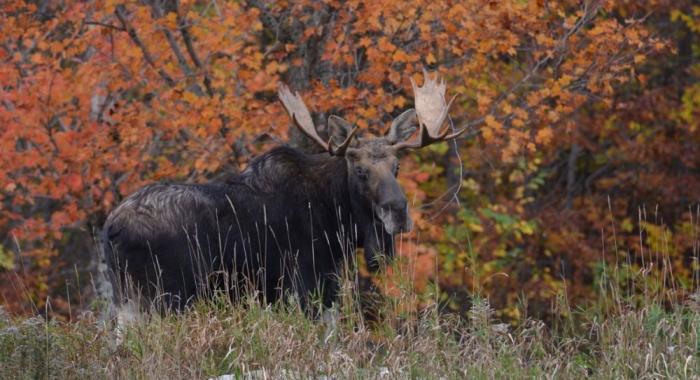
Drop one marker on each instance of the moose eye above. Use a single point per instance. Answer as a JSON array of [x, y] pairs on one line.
[[396, 169], [361, 172]]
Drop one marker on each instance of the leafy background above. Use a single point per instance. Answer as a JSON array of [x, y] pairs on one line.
[[581, 166]]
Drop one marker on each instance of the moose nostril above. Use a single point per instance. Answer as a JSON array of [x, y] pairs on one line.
[[397, 205], [403, 205]]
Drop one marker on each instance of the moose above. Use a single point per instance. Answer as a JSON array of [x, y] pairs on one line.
[[286, 225]]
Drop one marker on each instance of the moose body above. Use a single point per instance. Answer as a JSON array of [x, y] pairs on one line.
[[286, 225]]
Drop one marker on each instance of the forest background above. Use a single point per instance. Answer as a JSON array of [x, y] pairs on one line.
[[580, 167]]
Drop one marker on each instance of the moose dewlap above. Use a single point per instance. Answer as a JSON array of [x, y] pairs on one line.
[[286, 225]]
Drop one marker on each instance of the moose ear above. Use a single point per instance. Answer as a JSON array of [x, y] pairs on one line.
[[402, 127], [338, 128]]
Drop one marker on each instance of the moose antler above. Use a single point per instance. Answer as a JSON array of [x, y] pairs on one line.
[[431, 110], [302, 118]]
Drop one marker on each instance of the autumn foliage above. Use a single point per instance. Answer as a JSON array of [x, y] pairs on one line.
[[583, 145]]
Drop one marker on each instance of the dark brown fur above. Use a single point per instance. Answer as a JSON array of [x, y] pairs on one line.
[[287, 224]]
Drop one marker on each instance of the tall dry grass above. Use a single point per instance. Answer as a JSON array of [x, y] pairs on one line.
[[636, 329], [216, 337]]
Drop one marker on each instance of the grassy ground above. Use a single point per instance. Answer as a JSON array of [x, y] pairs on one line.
[[252, 341]]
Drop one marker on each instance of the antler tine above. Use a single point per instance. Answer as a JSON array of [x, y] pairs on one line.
[[431, 110], [302, 118], [430, 103], [343, 147], [299, 113]]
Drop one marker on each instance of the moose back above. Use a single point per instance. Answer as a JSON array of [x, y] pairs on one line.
[[286, 225]]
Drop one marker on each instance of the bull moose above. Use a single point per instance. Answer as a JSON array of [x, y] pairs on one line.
[[285, 225]]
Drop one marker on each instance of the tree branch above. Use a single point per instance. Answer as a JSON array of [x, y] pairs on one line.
[[104, 25], [571, 175], [178, 53], [120, 12], [158, 13], [590, 9], [187, 37]]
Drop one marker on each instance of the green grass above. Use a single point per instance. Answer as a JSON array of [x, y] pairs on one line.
[[215, 338]]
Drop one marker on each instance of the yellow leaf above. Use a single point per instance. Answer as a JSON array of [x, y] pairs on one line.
[[492, 122], [171, 20], [395, 78], [565, 80], [544, 135], [386, 46], [272, 67], [401, 56], [189, 97]]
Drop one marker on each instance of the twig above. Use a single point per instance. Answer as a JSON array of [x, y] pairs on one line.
[[588, 15], [120, 12], [187, 37], [571, 175], [104, 25], [178, 53], [172, 41]]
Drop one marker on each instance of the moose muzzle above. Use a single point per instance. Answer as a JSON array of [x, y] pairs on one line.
[[394, 216]]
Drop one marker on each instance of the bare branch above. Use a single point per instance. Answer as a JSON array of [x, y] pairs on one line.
[[178, 53], [158, 12], [120, 12], [571, 174], [105, 25], [187, 38]]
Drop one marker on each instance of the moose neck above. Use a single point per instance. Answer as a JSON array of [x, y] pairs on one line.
[[332, 172], [322, 180], [289, 175]]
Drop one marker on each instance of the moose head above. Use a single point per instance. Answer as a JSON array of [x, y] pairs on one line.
[[372, 162]]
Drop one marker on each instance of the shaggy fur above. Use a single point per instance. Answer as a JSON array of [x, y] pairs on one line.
[[286, 225]]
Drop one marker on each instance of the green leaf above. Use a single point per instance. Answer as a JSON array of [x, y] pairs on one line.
[[7, 259]]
